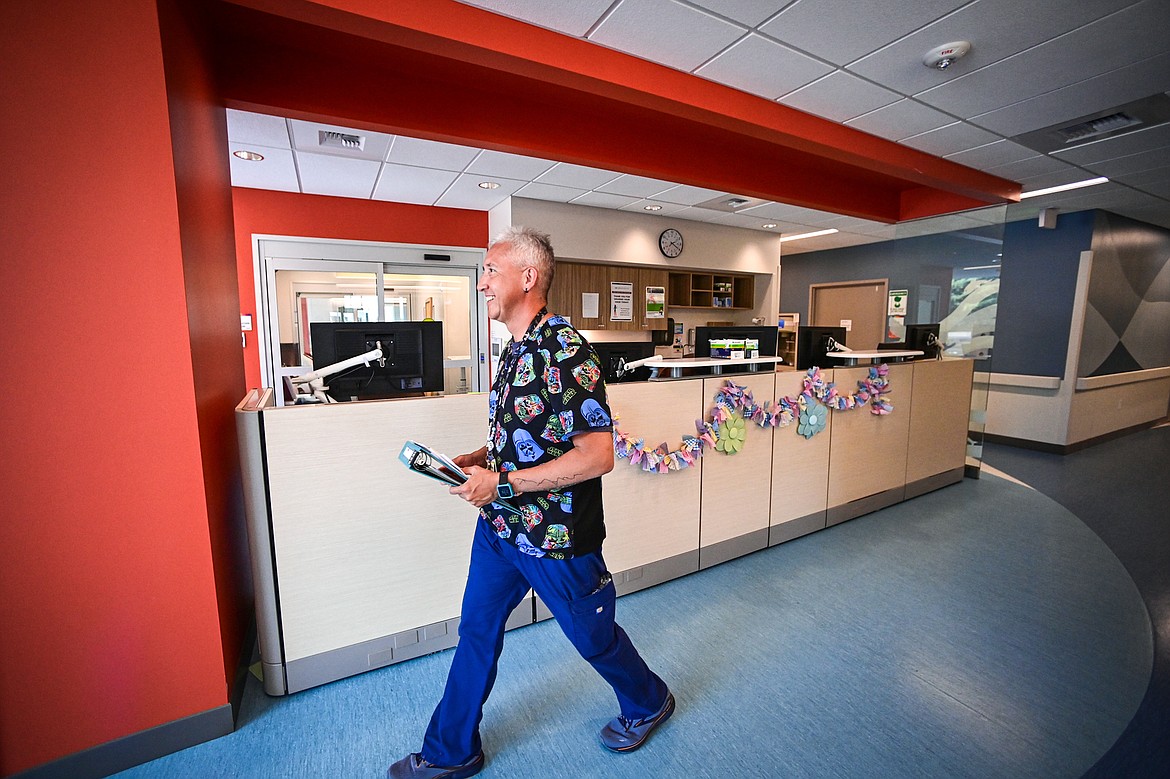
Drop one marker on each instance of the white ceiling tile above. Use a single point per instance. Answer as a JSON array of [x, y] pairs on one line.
[[326, 174], [1032, 166], [1132, 163], [853, 225], [663, 209], [635, 186], [513, 166], [603, 200], [430, 154], [840, 96], [749, 12], [938, 224], [745, 220], [996, 29], [695, 214], [246, 127], [952, 138], [466, 193], [406, 184], [1146, 177], [541, 191], [667, 32], [840, 32], [992, 154], [573, 17], [763, 67], [276, 171], [783, 212], [687, 196], [901, 120], [313, 137], [1121, 39], [564, 174], [1117, 87]]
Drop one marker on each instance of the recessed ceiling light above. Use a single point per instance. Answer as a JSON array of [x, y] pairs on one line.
[[830, 231], [769, 226], [488, 185], [652, 208], [250, 156], [1064, 187]]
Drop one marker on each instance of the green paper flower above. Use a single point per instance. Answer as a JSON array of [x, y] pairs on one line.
[[731, 434], [812, 419]]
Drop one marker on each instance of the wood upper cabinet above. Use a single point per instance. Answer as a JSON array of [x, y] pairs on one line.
[[700, 289], [574, 278]]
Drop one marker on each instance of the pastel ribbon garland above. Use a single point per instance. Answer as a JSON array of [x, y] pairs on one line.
[[779, 413]]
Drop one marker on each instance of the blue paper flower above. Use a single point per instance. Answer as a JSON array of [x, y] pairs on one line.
[[812, 419]]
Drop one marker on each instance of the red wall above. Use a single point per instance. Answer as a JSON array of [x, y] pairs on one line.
[[108, 614], [281, 213]]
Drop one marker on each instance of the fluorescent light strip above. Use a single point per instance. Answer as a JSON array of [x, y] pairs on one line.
[[981, 267], [830, 231], [1065, 187]]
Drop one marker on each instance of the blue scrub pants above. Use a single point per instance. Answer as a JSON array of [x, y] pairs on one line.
[[498, 579]]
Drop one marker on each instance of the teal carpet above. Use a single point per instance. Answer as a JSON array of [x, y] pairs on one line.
[[978, 631]]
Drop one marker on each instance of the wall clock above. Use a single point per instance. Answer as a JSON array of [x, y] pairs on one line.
[[670, 242]]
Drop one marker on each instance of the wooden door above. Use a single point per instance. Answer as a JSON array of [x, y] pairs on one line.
[[861, 304]]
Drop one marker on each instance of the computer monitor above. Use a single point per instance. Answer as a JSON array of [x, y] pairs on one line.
[[812, 344], [412, 361], [764, 334], [615, 354], [924, 338]]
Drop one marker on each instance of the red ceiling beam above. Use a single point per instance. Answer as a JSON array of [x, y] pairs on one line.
[[443, 70]]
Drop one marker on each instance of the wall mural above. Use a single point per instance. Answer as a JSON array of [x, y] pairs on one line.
[[1127, 313], [969, 329]]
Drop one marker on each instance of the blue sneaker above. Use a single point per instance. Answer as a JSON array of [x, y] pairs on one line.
[[414, 767], [623, 735]]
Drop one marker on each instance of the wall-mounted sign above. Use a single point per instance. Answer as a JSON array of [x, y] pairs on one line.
[[621, 301], [590, 303], [898, 298], [655, 302]]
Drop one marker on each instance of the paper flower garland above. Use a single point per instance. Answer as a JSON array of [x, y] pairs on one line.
[[734, 404]]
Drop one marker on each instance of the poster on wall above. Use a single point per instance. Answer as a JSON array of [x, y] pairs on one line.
[[655, 302], [621, 301], [897, 306]]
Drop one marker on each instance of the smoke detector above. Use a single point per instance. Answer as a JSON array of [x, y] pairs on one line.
[[942, 57]]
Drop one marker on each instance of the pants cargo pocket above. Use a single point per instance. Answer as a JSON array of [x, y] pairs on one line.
[[592, 617]]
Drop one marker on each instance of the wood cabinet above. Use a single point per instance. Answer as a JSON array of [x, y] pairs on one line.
[[693, 289], [574, 278]]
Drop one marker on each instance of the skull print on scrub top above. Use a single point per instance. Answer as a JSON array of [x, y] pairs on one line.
[[552, 391]]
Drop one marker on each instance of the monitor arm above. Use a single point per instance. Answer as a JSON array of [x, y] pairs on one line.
[[313, 383]]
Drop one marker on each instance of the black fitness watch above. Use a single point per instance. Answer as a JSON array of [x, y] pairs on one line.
[[504, 490]]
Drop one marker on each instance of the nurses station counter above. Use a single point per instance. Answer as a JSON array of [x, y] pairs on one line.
[[359, 563]]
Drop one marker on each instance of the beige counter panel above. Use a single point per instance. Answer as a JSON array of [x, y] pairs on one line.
[[652, 516], [737, 488], [364, 548], [800, 467], [938, 419], [867, 452]]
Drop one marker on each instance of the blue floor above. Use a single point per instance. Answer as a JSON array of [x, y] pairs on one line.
[[979, 631], [1121, 490]]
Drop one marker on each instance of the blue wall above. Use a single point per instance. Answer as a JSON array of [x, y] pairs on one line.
[[1038, 279], [1037, 290]]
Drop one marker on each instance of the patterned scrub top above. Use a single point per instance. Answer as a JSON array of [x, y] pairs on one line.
[[549, 387]]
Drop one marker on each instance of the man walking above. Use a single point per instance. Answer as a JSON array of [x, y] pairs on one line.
[[550, 440]]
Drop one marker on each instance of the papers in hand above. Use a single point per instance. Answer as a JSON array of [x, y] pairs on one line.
[[421, 459]]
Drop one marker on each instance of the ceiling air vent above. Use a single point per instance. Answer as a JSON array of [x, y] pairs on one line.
[[1119, 120], [1083, 131], [331, 139]]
